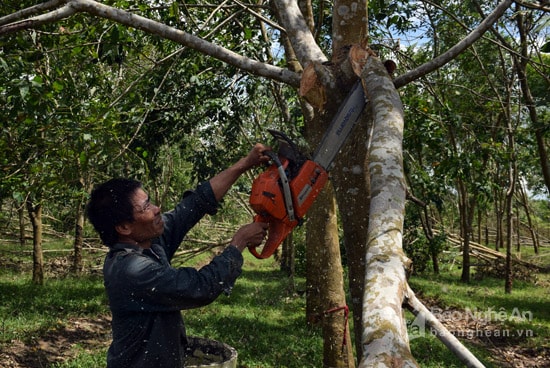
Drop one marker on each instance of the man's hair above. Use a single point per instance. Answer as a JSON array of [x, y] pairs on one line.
[[110, 205]]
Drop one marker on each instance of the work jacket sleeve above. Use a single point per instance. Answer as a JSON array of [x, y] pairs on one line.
[[149, 286], [193, 206]]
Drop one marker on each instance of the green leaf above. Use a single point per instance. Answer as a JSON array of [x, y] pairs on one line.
[[174, 10], [24, 91], [57, 86], [83, 158], [37, 81]]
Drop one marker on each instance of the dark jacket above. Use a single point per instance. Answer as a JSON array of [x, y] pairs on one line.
[[146, 294]]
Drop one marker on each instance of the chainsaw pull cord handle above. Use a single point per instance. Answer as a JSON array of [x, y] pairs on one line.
[[284, 183]]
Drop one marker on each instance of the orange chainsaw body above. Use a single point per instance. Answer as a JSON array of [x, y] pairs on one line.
[[282, 195], [268, 201]]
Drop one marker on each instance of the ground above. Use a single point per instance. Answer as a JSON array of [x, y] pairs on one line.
[[506, 351], [89, 334], [57, 345]]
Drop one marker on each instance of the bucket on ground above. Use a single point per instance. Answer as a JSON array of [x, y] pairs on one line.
[[203, 353]]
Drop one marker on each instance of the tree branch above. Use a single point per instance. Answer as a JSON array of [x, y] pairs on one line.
[[30, 11], [259, 16], [536, 5], [454, 51], [298, 32], [51, 17], [150, 26], [385, 279], [424, 316]]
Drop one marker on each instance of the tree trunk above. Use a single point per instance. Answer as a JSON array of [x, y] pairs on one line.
[[512, 176], [337, 351], [467, 210], [525, 205], [428, 231], [288, 256], [350, 174], [35, 214], [435, 261], [325, 288], [385, 340], [518, 230], [351, 186], [479, 222], [521, 69], [78, 263], [21, 215], [326, 301]]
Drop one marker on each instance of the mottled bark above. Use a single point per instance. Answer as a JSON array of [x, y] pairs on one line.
[[385, 340]]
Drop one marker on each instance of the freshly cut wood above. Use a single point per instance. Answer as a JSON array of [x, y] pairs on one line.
[[311, 88]]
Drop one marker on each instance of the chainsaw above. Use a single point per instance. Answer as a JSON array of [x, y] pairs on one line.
[[283, 193]]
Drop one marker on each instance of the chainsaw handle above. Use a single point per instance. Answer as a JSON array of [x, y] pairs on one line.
[[273, 156], [276, 233]]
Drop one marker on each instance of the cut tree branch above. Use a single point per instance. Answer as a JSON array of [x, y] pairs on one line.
[[385, 279], [431, 323]]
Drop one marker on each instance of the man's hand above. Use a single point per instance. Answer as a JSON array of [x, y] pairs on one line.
[[224, 180], [256, 156], [252, 234]]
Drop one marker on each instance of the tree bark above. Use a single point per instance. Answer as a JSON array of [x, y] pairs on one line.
[[351, 181], [349, 175], [35, 214], [467, 210], [325, 288], [78, 263], [385, 340], [521, 69], [424, 318], [512, 176], [525, 205], [21, 216], [288, 253]]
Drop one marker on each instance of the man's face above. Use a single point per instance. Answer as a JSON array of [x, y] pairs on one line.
[[148, 223]]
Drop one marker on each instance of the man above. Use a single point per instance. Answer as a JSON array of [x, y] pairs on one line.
[[146, 295]]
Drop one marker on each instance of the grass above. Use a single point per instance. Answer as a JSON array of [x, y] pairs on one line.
[[263, 318], [523, 311], [27, 309]]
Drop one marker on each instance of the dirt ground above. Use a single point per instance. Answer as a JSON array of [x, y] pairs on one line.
[[89, 334], [79, 334], [506, 351]]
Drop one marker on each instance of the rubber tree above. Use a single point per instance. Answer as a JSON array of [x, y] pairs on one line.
[[384, 339]]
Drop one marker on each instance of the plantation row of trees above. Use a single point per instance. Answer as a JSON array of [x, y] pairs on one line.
[[171, 92]]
